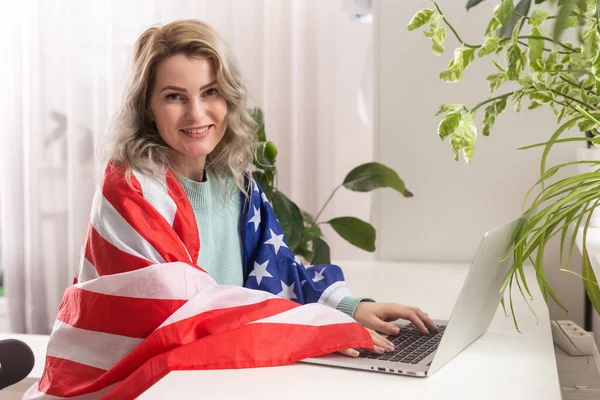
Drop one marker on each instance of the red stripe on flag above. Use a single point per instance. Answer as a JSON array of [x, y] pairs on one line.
[[135, 317], [184, 332], [184, 223], [64, 378], [251, 346], [108, 259], [139, 213]]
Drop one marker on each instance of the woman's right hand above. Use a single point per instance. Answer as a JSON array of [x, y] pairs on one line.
[[381, 345]]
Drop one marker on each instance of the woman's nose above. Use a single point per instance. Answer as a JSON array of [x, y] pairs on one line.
[[195, 111]]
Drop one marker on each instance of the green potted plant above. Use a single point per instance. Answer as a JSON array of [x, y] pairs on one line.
[[544, 71], [301, 229]]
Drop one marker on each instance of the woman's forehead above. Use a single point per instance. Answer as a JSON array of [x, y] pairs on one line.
[[183, 71]]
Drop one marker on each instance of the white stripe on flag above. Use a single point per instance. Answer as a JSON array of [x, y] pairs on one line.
[[116, 230], [217, 297], [334, 294], [96, 349], [87, 271], [312, 314], [156, 193], [167, 281], [34, 394]]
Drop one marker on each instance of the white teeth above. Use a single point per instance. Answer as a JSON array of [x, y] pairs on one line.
[[196, 131]]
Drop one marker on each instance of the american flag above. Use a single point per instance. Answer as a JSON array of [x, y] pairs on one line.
[[141, 307]]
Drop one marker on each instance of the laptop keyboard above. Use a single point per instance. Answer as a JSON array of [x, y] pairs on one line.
[[412, 346]]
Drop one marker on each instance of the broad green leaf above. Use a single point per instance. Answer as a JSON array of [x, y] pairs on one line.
[[586, 125], [560, 115], [357, 232], [448, 107], [437, 41], [536, 49], [489, 46], [467, 56], [373, 175], [321, 252], [591, 43], [542, 96], [495, 81], [504, 11], [437, 34], [449, 123], [491, 113], [463, 138], [421, 18], [534, 105], [462, 58], [514, 25], [538, 17], [517, 99], [492, 26], [514, 59], [289, 217], [564, 12]]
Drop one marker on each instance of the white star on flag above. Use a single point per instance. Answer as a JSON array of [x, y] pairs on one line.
[[299, 260], [287, 291], [263, 196], [255, 218], [276, 241], [255, 186], [260, 271], [303, 282], [319, 275]]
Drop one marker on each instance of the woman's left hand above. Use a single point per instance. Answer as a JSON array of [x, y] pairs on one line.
[[376, 316]]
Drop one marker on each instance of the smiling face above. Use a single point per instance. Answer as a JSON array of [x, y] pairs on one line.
[[188, 110]]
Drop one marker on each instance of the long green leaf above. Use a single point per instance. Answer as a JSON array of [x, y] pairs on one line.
[[587, 271], [553, 138], [373, 175], [574, 139], [359, 233]]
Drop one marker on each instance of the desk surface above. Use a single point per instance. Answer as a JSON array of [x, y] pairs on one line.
[[502, 364]]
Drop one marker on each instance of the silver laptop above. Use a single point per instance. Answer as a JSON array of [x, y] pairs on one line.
[[417, 354]]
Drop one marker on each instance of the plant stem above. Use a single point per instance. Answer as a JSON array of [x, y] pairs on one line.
[[490, 100], [570, 98], [454, 30], [545, 49], [327, 202], [526, 17], [550, 40]]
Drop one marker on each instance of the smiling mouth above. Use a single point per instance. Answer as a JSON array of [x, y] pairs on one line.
[[196, 131]]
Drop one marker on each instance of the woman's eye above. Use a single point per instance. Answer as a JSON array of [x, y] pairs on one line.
[[210, 92], [173, 96]]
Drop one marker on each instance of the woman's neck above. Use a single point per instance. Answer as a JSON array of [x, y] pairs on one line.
[[194, 171]]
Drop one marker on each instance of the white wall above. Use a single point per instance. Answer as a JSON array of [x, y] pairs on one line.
[[351, 139], [454, 203]]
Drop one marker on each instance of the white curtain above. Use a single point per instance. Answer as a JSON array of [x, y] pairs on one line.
[[64, 65]]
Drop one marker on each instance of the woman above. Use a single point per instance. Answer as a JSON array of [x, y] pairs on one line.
[[185, 265]]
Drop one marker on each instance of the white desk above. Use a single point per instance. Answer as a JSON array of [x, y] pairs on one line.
[[502, 364]]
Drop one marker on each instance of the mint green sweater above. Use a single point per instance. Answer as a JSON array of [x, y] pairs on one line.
[[217, 216]]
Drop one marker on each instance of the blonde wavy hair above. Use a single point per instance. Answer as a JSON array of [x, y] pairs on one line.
[[135, 141]]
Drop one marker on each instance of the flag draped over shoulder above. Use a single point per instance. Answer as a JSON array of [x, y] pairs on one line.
[[140, 307]]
